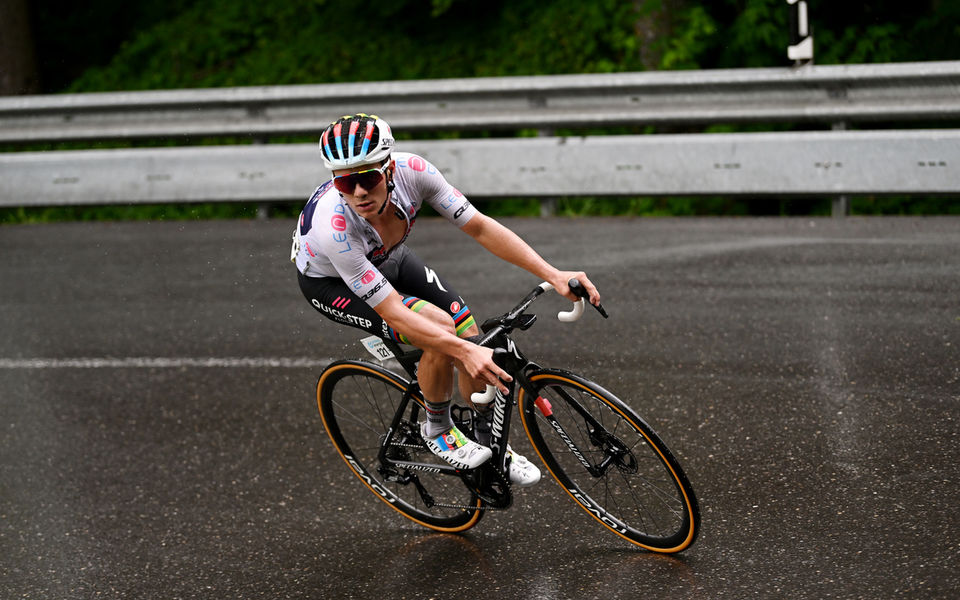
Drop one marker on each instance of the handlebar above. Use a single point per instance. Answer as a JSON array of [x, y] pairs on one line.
[[567, 316], [577, 312], [507, 322]]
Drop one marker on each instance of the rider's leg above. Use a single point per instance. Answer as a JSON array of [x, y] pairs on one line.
[[435, 374], [522, 472], [409, 274], [468, 385]]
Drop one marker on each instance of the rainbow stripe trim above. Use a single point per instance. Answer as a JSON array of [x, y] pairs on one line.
[[463, 320], [416, 305], [451, 440]]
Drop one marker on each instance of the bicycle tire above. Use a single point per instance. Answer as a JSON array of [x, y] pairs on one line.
[[357, 402], [643, 495]]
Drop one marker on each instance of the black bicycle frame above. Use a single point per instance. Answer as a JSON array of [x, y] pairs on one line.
[[508, 357]]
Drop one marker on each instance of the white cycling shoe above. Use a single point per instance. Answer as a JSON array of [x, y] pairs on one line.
[[522, 472], [456, 449]]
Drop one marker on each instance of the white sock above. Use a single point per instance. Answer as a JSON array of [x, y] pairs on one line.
[[438, 418]]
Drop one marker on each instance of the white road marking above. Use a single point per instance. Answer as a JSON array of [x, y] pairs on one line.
[[162, 363]]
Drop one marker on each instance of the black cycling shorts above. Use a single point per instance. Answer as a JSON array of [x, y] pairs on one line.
[[414, 281]]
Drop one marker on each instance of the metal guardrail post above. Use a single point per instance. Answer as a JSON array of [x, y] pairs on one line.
[[548, 206], [263, 208], [841, 203]]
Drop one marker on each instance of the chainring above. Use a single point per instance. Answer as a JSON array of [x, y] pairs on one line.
[[489, 484]]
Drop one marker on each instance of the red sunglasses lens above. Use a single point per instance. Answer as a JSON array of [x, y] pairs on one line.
[[365, 179]]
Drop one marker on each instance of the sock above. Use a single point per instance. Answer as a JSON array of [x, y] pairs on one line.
[[438, 418]]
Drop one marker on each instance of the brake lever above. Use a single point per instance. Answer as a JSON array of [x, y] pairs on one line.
[[577, 288]]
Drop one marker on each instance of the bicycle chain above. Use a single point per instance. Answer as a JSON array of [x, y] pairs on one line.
[[466, 507], [401, 445]]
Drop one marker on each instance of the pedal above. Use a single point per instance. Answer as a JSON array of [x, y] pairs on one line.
[[463, 418]]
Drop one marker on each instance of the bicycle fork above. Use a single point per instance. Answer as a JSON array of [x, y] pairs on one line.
[[614, 451]]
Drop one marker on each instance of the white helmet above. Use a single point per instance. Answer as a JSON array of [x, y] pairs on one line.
[[355, 140]]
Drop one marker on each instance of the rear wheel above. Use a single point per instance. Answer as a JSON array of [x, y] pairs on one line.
[[357, 402], [610, 461]]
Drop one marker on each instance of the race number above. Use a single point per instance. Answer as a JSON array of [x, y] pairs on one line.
[[376, 347]]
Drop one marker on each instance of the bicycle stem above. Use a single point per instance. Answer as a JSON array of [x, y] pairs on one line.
[[503, 325]]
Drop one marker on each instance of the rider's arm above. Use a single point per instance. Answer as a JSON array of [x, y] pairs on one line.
[[428, 335], [507, 245], [430, 185]]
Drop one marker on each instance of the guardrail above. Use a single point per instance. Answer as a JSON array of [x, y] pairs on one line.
[[784, 164], [795, 163], [825, 94]]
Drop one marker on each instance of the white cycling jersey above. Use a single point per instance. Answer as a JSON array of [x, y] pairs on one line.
[[333, 241]]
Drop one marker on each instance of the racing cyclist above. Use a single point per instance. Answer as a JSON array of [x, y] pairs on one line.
[[354, 268]]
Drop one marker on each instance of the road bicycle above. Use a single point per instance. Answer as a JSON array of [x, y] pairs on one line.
[[600, 451]]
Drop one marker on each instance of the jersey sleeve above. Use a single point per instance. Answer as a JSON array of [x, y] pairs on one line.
[[436, 191]]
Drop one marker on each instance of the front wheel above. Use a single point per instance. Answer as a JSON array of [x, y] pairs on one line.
[[610, 461]]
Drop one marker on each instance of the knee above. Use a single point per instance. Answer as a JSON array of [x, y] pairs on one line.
[[439, 317]]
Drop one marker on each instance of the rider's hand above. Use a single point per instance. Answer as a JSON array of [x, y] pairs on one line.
[[560, 284], [478, 361]]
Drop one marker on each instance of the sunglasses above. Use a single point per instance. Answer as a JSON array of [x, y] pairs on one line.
[[368, 179]]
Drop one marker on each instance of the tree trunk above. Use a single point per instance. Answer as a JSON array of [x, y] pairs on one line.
[[18, 65], [653, 26]]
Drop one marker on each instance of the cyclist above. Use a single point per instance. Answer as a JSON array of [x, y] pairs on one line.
[[354, 268]]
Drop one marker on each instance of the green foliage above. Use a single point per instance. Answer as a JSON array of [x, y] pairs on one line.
[[757, 36], [207, 43], [905, 206], [694, 31], [226, 43], [149, 212]]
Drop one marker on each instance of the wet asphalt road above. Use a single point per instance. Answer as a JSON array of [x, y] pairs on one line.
[[160, 438]]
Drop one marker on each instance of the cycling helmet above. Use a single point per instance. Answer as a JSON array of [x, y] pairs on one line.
[[355, 140]]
